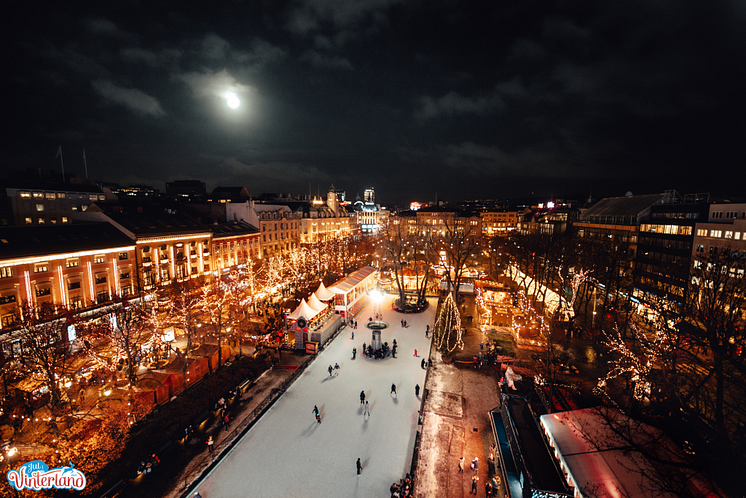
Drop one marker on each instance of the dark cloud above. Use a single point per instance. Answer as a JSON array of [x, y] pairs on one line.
[[475, 99]]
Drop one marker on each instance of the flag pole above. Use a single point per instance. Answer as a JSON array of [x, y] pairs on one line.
[[85, 163], [59, 153]]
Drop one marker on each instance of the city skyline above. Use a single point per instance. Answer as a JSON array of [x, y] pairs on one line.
[[420, 101]]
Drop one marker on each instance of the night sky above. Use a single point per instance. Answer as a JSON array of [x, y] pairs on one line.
[[420, 99]]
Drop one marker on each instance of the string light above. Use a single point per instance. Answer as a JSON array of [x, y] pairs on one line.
[[448, 331]]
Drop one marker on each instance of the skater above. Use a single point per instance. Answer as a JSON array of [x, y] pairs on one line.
[[488, 489], [210, 442], [315, 410], [336, 369], [366, 410], [318, 418], [422, 365], [475, 465], [354, 352], [417, 390], [415, 352], [393, 389], [461, 465], [359, 466], [362, 397], [474, 482], [353, 335], [330, 370]]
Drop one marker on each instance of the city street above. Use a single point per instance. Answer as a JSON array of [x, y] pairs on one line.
[[287, 453]]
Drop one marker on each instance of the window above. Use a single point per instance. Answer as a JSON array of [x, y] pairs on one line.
[[53, 221], [72, 263], [101, 280], [716, 233], [163, 247], [60, 195], [92, 197], [25, 195], [41, 268], [737, 236], [102, 296], [6, 271], [123, 256], [43, 292], [64, 219], [101, 197], [728, 234], [8, 299], [29, 221], [73, 285], [125, 290], [49, 195], [41, 221], [124, 275], [146, 249], [701, 232], [38, 195], [99, 258]]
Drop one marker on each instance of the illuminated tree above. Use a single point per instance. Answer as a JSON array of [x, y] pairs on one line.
[[448, 333], [46, 351], [184, 304], [128, 333], [459, 244], [220, 301]]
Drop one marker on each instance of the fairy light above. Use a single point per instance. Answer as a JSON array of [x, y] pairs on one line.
[[448, 322]]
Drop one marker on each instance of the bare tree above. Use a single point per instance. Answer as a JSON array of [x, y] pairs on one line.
[[46, 351], [460, 245], [184, 303]]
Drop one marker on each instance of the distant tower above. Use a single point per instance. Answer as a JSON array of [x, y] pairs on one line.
[[370, 195], [331, 200]]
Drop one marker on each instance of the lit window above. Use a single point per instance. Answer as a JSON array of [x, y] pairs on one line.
[[25, 194], [41, 221], [41, 268], [728, 234], [6, 271], [40, 207], [60, 195], [28, 221], [72, 263], [99, 258], [92, 197], [64, 219], [49, 195], [38, 195]]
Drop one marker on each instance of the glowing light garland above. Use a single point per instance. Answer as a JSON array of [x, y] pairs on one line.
[[448, 322]]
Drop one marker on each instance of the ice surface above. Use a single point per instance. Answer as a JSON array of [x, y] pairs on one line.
[[288, 454]]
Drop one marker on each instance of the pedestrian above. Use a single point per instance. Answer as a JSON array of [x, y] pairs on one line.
[[366, 410], [353, 334], [475, 465], [362, 397], [226, 421], [422, 365], [315, 410], [330, 370], [210, 443], [359, 466], [429, 362], [415, 351], [336, 369], [417, 390], [488, 489], [474, 482], [461, 465], [393, 388]]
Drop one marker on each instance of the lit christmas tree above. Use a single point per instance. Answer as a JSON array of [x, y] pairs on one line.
[[448, 329]]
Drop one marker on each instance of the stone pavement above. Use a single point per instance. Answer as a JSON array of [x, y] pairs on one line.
[[455, 424]]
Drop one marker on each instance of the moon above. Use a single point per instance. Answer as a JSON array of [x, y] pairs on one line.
[[232, 100]]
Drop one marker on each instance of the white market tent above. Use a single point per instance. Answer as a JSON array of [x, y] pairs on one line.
[[315, 304], [303, 310], [599, 462], [323, 293]]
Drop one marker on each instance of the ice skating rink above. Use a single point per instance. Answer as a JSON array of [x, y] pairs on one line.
[[288, 454]]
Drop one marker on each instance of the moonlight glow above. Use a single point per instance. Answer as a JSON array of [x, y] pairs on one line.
[[232, 100]]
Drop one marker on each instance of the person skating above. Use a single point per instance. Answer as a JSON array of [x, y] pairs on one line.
[[393, 389], [422, 365], [366, 410], [475, 465], [330, 370], [474, 482], [210, 442], [359, 466], [354, 352], [415, 351], [336, 369], [417, 390], [461, 465], [362, 397], [316, 411]]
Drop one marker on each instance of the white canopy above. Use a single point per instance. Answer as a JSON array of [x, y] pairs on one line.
[[303, 310], [323, 294], [315, 304]]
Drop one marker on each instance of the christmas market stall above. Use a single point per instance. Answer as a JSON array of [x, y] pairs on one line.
[[351, 294]]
